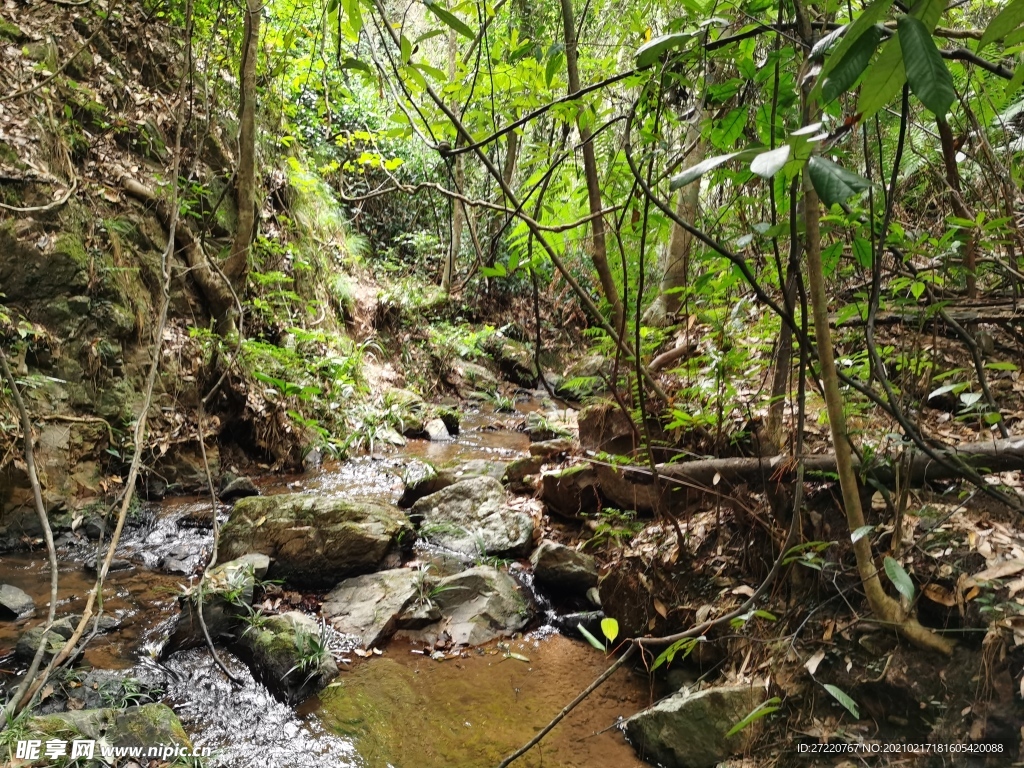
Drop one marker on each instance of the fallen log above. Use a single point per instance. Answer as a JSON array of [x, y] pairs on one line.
[[721, 474]]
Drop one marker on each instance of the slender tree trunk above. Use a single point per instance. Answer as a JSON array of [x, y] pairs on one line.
[[953, 179], [458, 213], [599, 249], [237, 265], [676, 263]]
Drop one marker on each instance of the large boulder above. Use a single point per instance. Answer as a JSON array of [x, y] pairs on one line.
[[513, 358], [688, 729], [145, 726], [476, 606], [472, 517], [571, 492], [369, 606], [226, 594], [14, 602], [314, 541], [563, 569], [289, 655]]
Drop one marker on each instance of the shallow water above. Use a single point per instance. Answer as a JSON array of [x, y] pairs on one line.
[[401, 710]]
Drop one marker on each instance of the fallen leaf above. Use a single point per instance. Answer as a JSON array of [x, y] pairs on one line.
[[811, 665], [1000, 570], [939, 594]]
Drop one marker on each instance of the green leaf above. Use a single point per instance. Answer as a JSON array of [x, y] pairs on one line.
[[764, 709], [840, 696], [886, 75], [725, 133], [861, 532], [852, 65], [767, 164], [590, 638], [1015, 82], [554, 64], [821, 47], [651, 51], [355, 19], [610, 628], [694, 172], [833, 183], [450, 19], [927, 73], [899, 578], [351, 63], [1007, 20], [867, 20], [498, 270]]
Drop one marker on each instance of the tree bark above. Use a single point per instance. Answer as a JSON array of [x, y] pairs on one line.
[[676, 262], [237, 265], [599, 249]]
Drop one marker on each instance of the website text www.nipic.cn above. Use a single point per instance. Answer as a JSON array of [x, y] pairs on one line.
[[52, 749]]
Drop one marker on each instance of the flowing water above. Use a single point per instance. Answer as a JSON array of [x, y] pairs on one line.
[[398, 710]]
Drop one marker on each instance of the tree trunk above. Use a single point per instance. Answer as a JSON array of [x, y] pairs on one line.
[[953, 179], [237, 265], [676, 264], [599, 249]]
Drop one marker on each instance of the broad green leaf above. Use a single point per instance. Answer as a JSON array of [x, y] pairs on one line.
[[861, 532], [1005, 22], [697, 170], [767, 164], [554, 64], [590, 638], [450, 19], [351, 63], [839, 695], [355, 19], [610, 628], [852, 65], [886, 75], [867, 20], [1015, 82], [899, 578], [772, 705], [927, 74], [651, 51], [725, 132], [833, 183]]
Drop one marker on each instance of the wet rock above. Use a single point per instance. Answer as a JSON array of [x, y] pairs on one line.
[[312, 460], [238, 488], [450, 416], [570, 623], [315, 541], [563, 569], [14, 603], [477, 606], [28, 643], [420, 479], [572, 491], [117, 564], [514, 359], [409, 408], [517, 471], [226, 596], [549, 449], [143, 726], [389, 436], [183, 469], [604, 427], [288, 654], [474, 378], [539, 428], [437, 431], [369, 605], [479, 468], [687, 730], [473, 518]]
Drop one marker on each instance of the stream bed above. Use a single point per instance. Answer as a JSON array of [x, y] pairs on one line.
[[399, 709]]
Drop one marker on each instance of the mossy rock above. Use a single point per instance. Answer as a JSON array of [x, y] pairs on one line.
[[143, 726], [285, 652]]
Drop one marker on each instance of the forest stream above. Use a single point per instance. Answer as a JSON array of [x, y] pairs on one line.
[[399, 709]]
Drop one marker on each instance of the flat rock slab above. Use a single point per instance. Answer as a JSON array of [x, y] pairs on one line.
[[687, 730], [473, 518], [476, 606], [369, 606], [314, 541]]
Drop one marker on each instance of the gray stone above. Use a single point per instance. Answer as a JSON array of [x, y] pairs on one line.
[[239, 488], [514, 359], [687, 730], [144, 726], [369, 605], [56, 638], [517, 472], [562, 568], [572, 491], [421, 479], [437, 431], [314, 541], [477, 605], [549, 449], [14, 602], [286, 653], [472, 517]]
